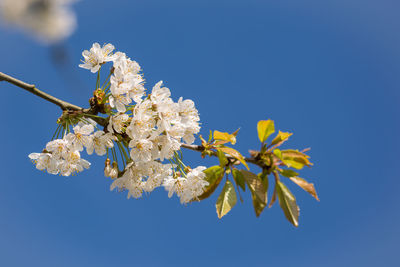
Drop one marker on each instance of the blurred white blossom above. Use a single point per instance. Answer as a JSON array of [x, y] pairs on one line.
[[49, 21]]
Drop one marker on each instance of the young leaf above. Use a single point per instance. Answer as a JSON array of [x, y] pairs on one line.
[[277, 152], [210, 137], [293, 163], [258, 205], [308, 187], [288, 173], [292, 160], [214, 176], [234, 153], [280, 138], [265, 129], [223, 161], [257, 187], [226, 200], [258, 190], [297, 156], [288, 203], [225, 137], [239, 179], [294, 153]]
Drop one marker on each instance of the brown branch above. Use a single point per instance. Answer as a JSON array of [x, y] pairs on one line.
[[69, 108], [32, 89]]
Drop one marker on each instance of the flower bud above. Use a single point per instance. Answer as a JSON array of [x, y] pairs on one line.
[[114, 171], [107, 168]]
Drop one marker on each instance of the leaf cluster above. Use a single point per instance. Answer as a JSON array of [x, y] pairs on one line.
[[272, 160]]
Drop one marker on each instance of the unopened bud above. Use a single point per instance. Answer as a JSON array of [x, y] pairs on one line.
[[107, 168], [114, 170]]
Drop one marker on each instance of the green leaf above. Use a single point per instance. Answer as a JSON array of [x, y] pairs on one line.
[[210, 137], [258, 205], [223, 161], [234, 153], [308, 187], [225, 137], [265, 129], [239, 179], [278, 153], [288, 203], [295, 155], [280, 138], [255, 184], [258, 190], [292, 158], [293, 163], [288, 173], [214, 176], [226, 200]]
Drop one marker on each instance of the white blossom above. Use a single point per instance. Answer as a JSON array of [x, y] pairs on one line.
[[117, 123], [141, 150], [61, 157], [120, 102], [196, 182], [189, 119], [58, 147], [142, 176], [73, 163], [159, 94], [130, 180], [143, 121], [100, 141], [45, 161], [174, 185], [81, 136], [187, 188], [97, 56]]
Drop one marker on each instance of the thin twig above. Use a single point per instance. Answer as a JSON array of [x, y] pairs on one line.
[[201, 148], [32, 89]]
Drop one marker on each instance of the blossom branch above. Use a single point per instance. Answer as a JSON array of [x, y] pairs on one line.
[[32, 89], [65, 106], [149, 128]]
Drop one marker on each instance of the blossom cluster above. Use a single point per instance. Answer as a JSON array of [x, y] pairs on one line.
[[150, 127], [49, 20], [62, 156]]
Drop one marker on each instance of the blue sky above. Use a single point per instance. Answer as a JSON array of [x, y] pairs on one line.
[[327, 71]]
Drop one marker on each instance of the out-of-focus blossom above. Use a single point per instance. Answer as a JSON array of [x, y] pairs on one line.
[[49, 21]]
